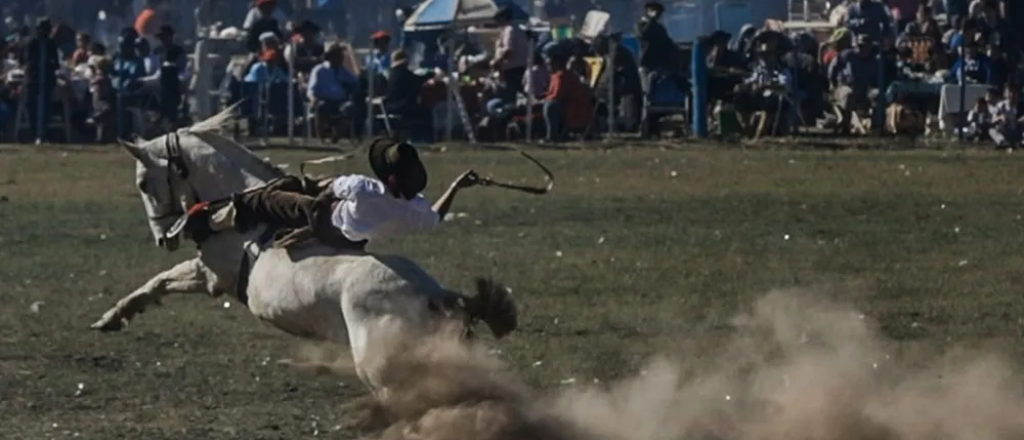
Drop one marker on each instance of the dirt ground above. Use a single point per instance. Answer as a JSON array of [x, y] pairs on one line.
[[638, 251]]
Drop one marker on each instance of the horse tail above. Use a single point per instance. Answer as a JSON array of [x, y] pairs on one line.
[[493, 304]]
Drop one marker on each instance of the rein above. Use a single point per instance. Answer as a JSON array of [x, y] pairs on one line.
[[483, 181]]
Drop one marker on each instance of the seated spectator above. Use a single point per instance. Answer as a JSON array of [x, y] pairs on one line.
[[332, 87], [972, 67], [568, 103], [839, 41], [308, 49], [766, 88], [81, 55], [854, 79], [720, 58], [1008, 119], [271, 68], [979, 121]]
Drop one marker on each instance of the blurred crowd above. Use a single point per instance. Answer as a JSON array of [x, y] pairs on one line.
[[886, 66]]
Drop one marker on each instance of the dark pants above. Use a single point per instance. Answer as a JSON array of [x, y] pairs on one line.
[[37, 103], [512, 80], [288, 204], [554, 118]]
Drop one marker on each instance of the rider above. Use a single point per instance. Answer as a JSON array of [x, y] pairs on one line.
[[352, 210]]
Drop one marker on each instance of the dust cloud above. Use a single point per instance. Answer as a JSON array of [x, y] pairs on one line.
[[798, 368]]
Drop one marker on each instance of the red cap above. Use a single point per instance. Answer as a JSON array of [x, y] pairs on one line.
[[380, 35]]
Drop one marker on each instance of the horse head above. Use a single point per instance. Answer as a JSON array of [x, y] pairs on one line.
[[178, 169]]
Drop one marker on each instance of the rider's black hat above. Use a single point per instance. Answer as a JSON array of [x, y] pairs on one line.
[[398, 162]]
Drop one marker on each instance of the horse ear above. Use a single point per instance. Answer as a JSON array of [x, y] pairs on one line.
[[135, 152]]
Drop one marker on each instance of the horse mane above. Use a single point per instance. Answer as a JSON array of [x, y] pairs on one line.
[[213, 124], [209, 129]]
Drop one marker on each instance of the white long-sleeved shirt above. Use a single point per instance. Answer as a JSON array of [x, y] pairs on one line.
[[367, 211]]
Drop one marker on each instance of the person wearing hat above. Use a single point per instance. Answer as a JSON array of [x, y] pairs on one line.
[[403, 91], [380, 57], [173, 72], [308, 50], [657, 51], [854, 79], [352, 210]]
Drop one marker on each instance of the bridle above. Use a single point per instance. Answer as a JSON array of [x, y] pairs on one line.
[[176, 168]]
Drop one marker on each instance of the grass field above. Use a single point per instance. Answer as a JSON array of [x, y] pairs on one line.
[[636, 252]]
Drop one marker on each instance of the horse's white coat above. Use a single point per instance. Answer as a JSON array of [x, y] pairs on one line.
[[314, 292]]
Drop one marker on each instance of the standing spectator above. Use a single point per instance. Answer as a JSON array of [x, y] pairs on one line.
[[262, 18], [81, 55], [869, 17], [906, 10], [173, 71], [306, 49], [41, 62], [128, 67], [657, 51], [511, 53], [380, 58], [956, 9], [927, 24]]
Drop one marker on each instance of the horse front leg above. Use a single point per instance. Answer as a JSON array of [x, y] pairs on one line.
[[186, 277]]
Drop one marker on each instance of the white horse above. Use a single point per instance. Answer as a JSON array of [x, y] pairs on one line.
[[310, 291]]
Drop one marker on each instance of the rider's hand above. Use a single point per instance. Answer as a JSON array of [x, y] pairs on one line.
[[467, 179]]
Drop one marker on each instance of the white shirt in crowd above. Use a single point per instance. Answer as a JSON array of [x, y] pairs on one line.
[[1008, 111], [512, 38], [367, 211]]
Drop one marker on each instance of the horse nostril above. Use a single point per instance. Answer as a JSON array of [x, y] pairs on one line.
[[161, 242]]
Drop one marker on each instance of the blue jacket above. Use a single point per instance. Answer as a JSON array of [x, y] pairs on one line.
[[977, 69], [127, 73], [331, 84]]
